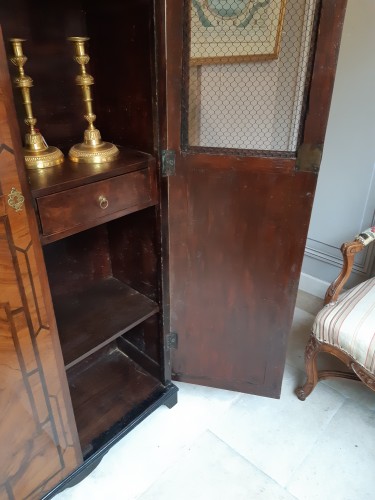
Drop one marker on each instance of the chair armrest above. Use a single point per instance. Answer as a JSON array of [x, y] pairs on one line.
[[349, 251]]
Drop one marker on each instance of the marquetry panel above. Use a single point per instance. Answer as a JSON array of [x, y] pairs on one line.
[[38, 440]]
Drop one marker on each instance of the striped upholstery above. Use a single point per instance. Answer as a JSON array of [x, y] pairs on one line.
[[350, 324]]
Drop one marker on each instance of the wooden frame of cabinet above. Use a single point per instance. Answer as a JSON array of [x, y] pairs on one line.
[[104, 266], [103, 274]]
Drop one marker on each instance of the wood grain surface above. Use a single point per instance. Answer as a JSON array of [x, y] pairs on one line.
[[38, 438], [238, 226]]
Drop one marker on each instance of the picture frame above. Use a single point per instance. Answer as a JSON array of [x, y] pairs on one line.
[[235, 31]]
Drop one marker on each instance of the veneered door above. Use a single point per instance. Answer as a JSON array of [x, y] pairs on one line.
[[38, 439], [248, 133]]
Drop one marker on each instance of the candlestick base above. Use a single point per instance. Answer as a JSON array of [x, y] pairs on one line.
[[38, 155], [103, 153], [93, 149]]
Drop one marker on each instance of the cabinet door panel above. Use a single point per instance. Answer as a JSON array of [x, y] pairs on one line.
[[239, 202], [38, 438]]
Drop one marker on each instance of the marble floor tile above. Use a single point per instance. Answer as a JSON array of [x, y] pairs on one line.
[[355, 390], [341, 463], [308, 302], [277, 435], [211, 470]]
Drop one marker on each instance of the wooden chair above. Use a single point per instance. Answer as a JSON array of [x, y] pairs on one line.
[[345, 327]]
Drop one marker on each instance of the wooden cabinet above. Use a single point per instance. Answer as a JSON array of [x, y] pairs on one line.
[[103, 268], [39, 441], [92, 236]]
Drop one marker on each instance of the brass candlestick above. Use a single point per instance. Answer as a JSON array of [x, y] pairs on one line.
[[92, 149], [36, 151]]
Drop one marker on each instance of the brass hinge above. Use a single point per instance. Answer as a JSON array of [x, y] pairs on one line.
[[309, 158], [168, 162], [171, 340]]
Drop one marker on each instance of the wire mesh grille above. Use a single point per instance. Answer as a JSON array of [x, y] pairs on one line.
[[247, 66]]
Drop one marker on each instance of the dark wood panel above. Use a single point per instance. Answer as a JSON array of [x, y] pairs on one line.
[[125, 91], [139, 357], [265, 165], [91, 318], [146, 338], [108, 391], [235, 272], [328, 45], [135, 251], [76, 263]]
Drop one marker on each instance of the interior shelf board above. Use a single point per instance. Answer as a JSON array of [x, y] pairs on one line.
[[108, 392], [88, 320], [70, 174]]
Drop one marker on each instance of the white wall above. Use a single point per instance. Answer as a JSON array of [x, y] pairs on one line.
[[345, 198]]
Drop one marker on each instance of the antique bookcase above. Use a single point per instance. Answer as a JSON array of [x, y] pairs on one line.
[[197, 251]]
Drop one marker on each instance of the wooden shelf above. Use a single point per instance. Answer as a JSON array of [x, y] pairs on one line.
[[108, 392], [70, 175], [90, 319]]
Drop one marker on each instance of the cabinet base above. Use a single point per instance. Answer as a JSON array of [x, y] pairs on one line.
[[168, 398]]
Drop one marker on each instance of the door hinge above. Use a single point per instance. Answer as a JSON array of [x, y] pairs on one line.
[[168, 162], [171, 340], [309, 158]]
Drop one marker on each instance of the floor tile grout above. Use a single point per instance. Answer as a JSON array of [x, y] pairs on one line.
[[237, 452], [318, 437], [186, 447]]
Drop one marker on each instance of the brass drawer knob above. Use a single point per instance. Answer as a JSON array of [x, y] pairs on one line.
[[103, 202]]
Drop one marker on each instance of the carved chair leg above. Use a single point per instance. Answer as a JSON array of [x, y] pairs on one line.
[[311, 352]]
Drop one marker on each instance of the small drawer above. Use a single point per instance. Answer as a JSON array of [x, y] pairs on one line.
[[96, 203]]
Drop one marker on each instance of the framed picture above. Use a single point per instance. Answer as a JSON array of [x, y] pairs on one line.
[[228, 31]]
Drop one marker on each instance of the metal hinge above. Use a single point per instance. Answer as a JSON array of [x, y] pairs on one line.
[[168, 162], [171, 340], [309, 157]]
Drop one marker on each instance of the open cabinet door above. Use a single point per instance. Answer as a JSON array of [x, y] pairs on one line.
[[247, 126], [38, 439]]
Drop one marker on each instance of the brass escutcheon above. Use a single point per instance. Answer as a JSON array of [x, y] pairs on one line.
[[16, 199]]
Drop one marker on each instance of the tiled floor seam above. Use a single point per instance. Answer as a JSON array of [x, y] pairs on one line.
[[178, 457], [311, 448], [181, 454], [186, 447], [251, 463]]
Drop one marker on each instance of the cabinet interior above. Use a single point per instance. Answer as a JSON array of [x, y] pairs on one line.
[[122, 61], [105, 281], [104, 285]]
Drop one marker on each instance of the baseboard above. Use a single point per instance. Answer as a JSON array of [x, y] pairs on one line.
[[313, 285]]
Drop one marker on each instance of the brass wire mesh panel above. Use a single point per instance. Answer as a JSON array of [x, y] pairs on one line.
[[247, 66]]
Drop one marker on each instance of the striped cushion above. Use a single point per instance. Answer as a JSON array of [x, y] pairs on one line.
[[350, 324]]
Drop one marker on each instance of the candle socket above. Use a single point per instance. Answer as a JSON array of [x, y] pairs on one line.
[[92, 149], [37, 153]]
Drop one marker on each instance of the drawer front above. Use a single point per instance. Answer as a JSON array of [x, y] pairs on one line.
[[82, 206]]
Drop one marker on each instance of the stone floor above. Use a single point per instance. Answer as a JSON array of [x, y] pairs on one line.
[[219, 445]]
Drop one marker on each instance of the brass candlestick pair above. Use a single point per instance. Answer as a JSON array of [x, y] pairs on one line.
[[37, 153]]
